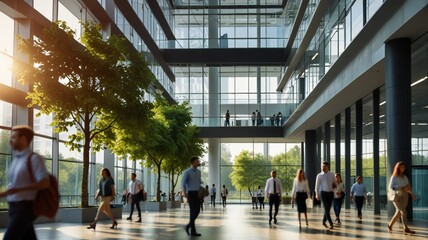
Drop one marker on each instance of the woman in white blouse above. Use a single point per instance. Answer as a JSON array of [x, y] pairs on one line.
[[339, 195], [300, 193], [401, 187]]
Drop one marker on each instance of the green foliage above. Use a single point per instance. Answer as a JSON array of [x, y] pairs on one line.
[[249, 171], [286, 166], [93, 87], [166, 142]]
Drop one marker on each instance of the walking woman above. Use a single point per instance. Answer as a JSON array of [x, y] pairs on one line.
[[107, 192], [401, 188], [300, 193], [339, 195]]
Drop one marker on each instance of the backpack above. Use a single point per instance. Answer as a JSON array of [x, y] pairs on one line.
[[47, 200]]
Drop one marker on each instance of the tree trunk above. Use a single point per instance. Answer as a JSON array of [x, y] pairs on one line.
[[86, 156], [159, 178]]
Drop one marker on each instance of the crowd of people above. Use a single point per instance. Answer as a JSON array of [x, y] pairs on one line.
[[329, 189]]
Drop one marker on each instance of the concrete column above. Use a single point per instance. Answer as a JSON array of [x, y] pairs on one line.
[[311, 158], [214, 164], [213, 85], [398, 108]]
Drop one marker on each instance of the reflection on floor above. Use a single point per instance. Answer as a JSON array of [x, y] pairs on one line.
[[234, 222]]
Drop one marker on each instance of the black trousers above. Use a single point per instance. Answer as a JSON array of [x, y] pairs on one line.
[[213, 200], [21, 220], [359, 201], [135, 200], [273, 201], [195, 208], [261, 201], [327, 200]]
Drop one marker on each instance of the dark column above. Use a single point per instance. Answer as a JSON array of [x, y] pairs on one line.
[[327, 142], [302, 84], [347, 156], [375, 119], [398, 108], [310, 158], [302, 155], [337, 138], [359, 138], [318, 150]]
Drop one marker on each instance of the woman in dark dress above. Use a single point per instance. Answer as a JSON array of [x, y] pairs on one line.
[[300, 193]]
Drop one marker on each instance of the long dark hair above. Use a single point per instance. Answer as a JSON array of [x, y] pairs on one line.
[[107, 171]]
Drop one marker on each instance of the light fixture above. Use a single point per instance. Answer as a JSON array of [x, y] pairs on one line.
[[419, 81], [380, 104], [313, 58]]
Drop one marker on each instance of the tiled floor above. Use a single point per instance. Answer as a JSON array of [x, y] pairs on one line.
[[234, 222]]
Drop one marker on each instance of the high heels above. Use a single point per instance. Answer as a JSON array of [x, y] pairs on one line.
[[114, 225], [92, 226]]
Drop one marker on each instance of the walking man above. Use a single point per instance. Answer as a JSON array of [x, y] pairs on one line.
[[22, 190], [190, 184], [273, 191], [135, 186], [213, 195], [224, 193], [324, 187]]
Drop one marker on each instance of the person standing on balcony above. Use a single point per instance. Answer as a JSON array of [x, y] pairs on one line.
[[227, 116], [253, 118]]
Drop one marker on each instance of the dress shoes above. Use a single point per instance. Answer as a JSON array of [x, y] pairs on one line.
[[129, 218], [325, 225], [186, 228], [196, 234], [275, 221], [139, 220]]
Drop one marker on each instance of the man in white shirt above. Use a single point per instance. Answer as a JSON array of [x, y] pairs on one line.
[[135, 186], [273, 191], [22, 191], [324, 187]]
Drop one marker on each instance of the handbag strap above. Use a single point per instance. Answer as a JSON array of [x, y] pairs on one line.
[[29, 170]]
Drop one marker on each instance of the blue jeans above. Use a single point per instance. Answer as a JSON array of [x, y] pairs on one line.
[[337, 206], [21, 220]]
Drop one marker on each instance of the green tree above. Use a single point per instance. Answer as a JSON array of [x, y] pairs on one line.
[[93, 87], [177, 163], [286, 165], [226, 168], [184, 136], [249, 170]]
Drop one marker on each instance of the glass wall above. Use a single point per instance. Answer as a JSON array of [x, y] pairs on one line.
[[246, 165]]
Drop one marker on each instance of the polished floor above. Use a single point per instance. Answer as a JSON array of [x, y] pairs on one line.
[[234, 222]]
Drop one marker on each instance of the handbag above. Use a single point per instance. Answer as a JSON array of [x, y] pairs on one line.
[[392, 195], [309, 203], [342, 195]]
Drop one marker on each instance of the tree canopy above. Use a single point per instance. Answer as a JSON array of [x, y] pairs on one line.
[[94, 86]]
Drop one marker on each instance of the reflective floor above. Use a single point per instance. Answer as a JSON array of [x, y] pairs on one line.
[[234, 222]]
